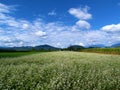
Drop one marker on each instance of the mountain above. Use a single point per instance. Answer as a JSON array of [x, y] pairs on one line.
[[45, 47], [29, 48], [24, 48], [75, 47], [116, 45], [97, 46]]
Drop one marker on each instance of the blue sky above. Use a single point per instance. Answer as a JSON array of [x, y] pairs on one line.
[[59, 23]]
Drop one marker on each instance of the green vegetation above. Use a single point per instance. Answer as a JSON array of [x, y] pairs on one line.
[[106, 50], [14, 54], [102, 50], [60, 71]]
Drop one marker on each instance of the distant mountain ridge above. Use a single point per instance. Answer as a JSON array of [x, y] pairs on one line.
[[28, 48], [116, 45], [46, 47], [75, 47], [97, 46], [51, 48]]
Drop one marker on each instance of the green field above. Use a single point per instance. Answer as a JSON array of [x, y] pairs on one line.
[[14, 54], [60, 71], [102, 50]]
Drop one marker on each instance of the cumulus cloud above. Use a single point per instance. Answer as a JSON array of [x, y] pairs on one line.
[[19, 32], [81, 44], [83, 24], [83, 15], [40, 33], [80, 13], [16, 31], [5, 8], [111, 28]]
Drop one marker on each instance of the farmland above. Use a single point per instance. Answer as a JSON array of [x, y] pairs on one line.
[[62, 70], [14, 54], [102, 50]]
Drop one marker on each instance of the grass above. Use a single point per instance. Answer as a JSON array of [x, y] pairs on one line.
[[60, 71], [103, 50], [14, 54]]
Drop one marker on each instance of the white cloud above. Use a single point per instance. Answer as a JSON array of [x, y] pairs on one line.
[[1, 30], [81, 44], [2, 16], [83, 15], [4, 8], [40, 33], [83, 24], [111, 28], [18, 32], [14, 31], [11, 22], [58, 44], [80, 13], [52, 13], [96, 37], [25, 26]]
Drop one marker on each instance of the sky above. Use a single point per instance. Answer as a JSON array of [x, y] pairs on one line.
[[59, 23]]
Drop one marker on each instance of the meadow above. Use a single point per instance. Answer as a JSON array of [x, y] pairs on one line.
[[62, 70], [103, 50], [14, 54]]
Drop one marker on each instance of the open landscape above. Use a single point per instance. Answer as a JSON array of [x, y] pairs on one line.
[[60, 70], [59, 44]]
